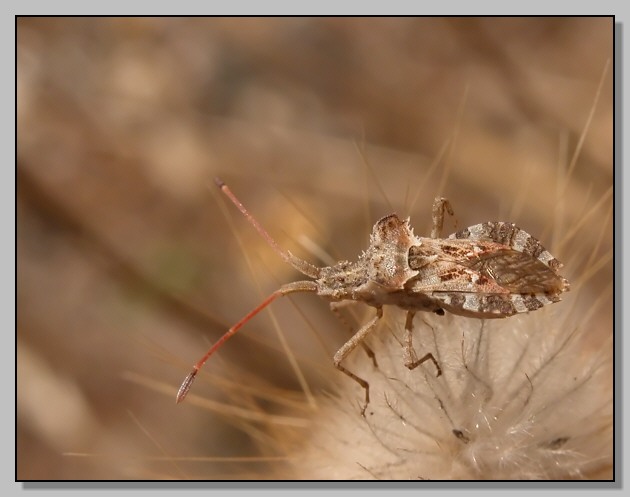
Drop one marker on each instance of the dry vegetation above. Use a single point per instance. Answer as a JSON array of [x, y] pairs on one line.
[[128, 268]]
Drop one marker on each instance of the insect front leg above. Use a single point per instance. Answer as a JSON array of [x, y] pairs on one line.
[[409, 354], [349, 346], [335, 307], [440, 204]]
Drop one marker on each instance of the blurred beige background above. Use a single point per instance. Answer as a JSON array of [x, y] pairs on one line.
[[128, 268]]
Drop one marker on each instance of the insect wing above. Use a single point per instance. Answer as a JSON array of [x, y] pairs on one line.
[[489, 270]]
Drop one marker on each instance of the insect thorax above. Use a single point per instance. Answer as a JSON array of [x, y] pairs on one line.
[[381, 271]]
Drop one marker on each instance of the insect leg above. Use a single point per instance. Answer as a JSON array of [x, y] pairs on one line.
[[335, 308], [440, 204], [409, 354], [349, 346]]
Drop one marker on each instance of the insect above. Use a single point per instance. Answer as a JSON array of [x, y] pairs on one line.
[[489, 270]]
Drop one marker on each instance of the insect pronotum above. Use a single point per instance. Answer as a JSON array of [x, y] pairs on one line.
[[489, 270]]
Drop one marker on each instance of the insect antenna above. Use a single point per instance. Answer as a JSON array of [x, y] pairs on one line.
[[299, 264], [297, 286]]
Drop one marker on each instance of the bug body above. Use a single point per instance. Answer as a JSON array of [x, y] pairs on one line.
[[489, 270]]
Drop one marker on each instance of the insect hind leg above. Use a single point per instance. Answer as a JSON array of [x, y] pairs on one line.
[[410, 358], [440, 204], [349, 346]]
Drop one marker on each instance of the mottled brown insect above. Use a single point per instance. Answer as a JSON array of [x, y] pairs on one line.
[[489, 270]]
